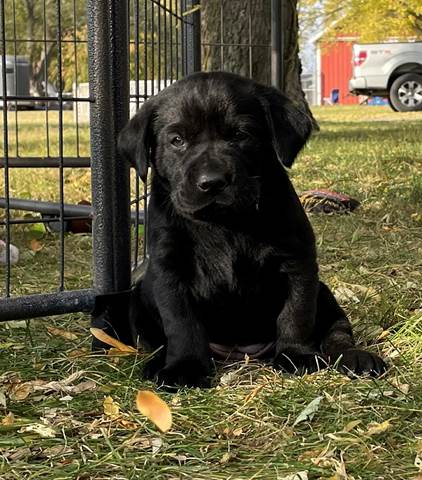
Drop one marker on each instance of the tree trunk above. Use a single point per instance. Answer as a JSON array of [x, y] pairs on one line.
[[236, 37]]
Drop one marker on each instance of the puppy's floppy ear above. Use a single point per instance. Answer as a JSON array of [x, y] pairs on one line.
[[289, 124], [136, 139]]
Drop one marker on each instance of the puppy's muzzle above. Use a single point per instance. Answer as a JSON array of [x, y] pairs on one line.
[[213, 183]]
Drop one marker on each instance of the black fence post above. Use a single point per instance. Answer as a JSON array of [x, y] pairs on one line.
[[109, 88], [191, 37], [277, 45]]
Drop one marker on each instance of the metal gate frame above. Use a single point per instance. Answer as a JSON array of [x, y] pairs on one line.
[[108, 49], [108, 44]]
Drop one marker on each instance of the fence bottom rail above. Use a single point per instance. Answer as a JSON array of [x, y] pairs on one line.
[[31, 306]]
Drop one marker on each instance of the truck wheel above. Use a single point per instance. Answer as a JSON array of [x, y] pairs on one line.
[[406, 93], [391, 105]]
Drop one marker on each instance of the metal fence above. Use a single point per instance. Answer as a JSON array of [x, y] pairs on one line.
[[71, 74]]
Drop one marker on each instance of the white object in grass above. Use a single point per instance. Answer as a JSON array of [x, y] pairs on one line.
[[14, 253]]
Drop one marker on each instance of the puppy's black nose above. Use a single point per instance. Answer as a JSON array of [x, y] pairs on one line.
[[212, 182]]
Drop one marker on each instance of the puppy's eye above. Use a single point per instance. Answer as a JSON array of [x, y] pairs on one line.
[[177, 141]]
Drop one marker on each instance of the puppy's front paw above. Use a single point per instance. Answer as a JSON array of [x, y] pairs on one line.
[[183, 374], [293, 361], [355, 361]]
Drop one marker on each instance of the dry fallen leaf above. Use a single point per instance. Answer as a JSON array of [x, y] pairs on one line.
[[377, 428], [402, 387], [111, 408], [113, 342], [309, 411], [59, 332], [40, 429], [351, 425], [9, 419], [79, 352], [57, 450], [250, 396], [155, 409], [226, 457], [21, 391]]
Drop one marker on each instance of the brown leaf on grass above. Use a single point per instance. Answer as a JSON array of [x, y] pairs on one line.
[[402, 387], [57, 450], [35, 245], [21, 391], [65, 385], [17, 454], [155, 409], [137, 442], [113, 342], [9, 419], [59, 332], [79, 352], [230, 433]]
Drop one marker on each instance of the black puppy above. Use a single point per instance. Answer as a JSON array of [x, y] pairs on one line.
[[232, 263]]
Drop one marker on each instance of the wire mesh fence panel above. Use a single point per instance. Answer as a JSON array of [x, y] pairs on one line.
[[44, 146], [236, 37], [161, 52], [71, 74], [62, 93]]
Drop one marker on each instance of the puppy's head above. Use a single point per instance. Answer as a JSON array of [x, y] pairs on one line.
[[210, 139]]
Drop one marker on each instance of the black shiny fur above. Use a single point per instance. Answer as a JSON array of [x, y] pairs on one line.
[[231, 252]]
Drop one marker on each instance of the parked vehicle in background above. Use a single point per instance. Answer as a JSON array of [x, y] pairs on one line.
[[17, 75], [393, 70]]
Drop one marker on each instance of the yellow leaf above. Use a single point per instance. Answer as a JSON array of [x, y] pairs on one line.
[[155, 409], [254, 393], [226, 457], [111, 408], [351, 425], [113, 342], [377, 428], [59, 332]]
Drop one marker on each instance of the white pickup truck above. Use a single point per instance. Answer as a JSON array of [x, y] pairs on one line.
[[393, 70]]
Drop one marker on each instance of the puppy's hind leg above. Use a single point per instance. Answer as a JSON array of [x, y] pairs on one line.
[[336, 339]]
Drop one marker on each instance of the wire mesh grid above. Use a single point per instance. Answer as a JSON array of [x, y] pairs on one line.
[[161, 52], [46, 120], [42, 44], [236, 37]]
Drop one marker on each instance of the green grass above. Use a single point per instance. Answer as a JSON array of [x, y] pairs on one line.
[[371, 258]]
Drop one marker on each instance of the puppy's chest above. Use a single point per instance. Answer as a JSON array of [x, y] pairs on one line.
[[230, 265]]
